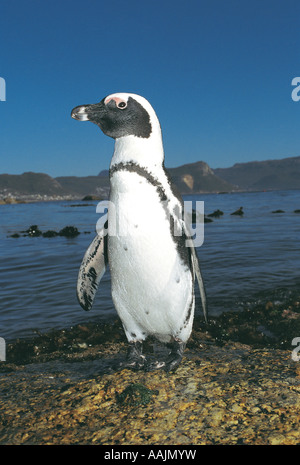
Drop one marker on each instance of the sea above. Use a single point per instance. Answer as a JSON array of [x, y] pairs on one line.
[[245, 260]]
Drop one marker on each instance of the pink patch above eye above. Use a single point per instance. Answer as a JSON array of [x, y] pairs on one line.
[[116, 99]]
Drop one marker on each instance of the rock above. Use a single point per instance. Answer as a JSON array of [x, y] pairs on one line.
[[218, 395], [216, 214], [50, 233], [33, 231], [234, 386], [296, 211], [238, 212], [278, 211], [69, 231]]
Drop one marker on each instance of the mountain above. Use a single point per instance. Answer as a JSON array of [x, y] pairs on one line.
[[88, 185], [263, 175], [30, 184], [190, 179], [198, 177]]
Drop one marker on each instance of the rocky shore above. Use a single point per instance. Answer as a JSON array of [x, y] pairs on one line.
[[238, 384]]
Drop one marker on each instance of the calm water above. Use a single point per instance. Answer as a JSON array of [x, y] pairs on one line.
[[243, 260]]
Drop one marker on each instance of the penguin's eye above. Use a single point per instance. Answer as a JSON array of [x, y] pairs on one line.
[[122, 105]]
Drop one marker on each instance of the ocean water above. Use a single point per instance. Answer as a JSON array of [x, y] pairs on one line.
[[244, 260]]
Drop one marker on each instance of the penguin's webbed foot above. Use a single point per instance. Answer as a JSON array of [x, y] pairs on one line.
[[134, 359], [173, 360]]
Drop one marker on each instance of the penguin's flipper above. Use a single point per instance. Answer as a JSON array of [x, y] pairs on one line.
[[197, 271], [92, 269]]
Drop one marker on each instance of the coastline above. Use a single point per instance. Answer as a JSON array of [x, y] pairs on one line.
[[237, 384]]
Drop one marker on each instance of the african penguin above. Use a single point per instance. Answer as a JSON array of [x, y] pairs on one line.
[[152, 269]]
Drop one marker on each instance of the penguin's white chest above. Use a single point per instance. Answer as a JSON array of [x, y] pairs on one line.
[[150, 285]]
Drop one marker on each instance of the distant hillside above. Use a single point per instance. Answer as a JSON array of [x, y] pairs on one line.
[[30, 184], [263, 175], [198, 177], [192, 178], [88, 185]]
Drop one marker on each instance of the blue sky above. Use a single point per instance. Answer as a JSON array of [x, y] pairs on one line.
[[217, 72]]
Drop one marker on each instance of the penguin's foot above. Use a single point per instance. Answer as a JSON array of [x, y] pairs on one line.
[[134, 359], [173, 360]]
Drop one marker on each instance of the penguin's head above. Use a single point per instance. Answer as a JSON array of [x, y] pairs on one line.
[[120, 115]]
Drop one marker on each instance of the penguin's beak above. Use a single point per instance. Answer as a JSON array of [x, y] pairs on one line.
[[80, 113]]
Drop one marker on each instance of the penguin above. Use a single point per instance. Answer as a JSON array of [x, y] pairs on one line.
[[145, 240]]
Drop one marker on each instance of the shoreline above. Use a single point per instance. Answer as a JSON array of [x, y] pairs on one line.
[[237, 384], [33, 198]]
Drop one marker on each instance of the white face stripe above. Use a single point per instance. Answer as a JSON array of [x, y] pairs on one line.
[[119, 97]]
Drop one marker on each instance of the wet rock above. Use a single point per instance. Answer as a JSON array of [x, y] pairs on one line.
[[297, 211], [237, 384], [238, 212], [50, 233], [33, 231], [278, 211], [219, 395], [216, 214], [69, 231]]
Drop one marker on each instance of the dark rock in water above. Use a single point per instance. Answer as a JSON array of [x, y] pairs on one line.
[[33, 231], [50, 233], [278, 211], [216, 214], [296, 211], [238, 212], [207, 220], [15, 235], [69, 231]]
